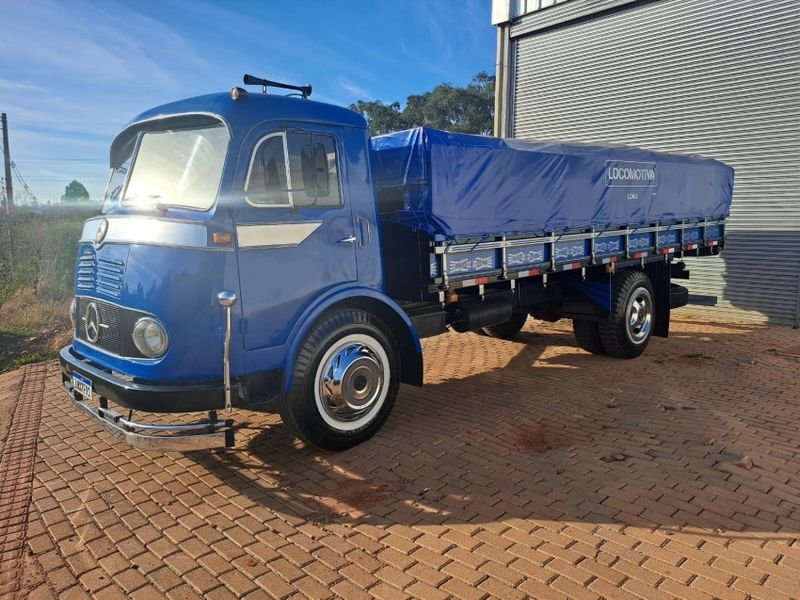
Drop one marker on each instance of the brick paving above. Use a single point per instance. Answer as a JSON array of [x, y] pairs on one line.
[[524, 468], [16, 475]]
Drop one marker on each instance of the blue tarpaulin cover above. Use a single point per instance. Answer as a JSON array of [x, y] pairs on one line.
[[458, 185]]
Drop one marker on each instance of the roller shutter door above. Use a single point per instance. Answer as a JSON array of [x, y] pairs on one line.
[[720, 79]]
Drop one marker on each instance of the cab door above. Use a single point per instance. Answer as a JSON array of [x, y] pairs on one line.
[[294, 227]]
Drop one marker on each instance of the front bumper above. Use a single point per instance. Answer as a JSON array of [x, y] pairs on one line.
[[163, 398], [209, 433]]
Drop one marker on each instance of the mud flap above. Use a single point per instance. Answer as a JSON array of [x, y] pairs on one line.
[[659, 274]]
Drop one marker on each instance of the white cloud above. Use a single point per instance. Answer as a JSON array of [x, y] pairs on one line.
[[87, 43], [353, 89], [74, 74]]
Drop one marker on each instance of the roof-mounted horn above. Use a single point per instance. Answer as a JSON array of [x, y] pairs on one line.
[[305, 90]]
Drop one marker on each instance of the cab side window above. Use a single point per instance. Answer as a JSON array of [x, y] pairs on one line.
[[294, 168], [266, 182]]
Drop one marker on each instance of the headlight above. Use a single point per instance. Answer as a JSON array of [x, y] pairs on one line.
[[73, 313], [150, 337]]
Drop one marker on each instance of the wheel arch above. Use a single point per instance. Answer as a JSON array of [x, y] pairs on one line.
[[372, 301]]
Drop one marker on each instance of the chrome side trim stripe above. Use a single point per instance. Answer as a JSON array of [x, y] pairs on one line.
[[147, 230], [275, 234], [183, 234]]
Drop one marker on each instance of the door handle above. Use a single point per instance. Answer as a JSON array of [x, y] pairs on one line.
[[348, 240], [363, 225]]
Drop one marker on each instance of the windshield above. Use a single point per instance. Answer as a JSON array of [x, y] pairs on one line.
[[175, 167]]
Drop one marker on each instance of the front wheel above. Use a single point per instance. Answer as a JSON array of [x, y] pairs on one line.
[[344, 382], [627, 331]]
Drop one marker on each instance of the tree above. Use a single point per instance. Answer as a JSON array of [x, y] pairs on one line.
[[467, 109], [75, 192], [382, 118]]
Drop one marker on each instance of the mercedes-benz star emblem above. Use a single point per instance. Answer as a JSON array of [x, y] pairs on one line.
[[91, 322], [102, 230]]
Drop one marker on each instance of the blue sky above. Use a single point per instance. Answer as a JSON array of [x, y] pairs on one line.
[[73, 73]]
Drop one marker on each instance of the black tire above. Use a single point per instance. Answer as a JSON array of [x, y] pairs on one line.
[[360, 344], [619, 337], [588, 335], [507, 330]]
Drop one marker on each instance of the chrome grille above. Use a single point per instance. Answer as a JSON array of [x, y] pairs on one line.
[[109, 277], [84, 279], [103, 273], [110, 330]]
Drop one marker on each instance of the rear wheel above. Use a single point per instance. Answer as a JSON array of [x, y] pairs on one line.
[[506, 330], [345, 381], [628, 329], [587, 333]]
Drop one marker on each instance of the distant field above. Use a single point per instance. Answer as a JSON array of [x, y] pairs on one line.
[[37, 260]]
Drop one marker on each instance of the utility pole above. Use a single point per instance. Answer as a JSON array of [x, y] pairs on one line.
[[7, 161]]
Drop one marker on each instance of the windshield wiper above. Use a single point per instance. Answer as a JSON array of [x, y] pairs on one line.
[[157, 203], [154, 202]]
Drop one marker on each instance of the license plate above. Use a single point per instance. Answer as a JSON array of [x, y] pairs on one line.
[[82, 385]]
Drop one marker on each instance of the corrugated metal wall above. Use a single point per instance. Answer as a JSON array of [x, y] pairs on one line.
[[703, 76]]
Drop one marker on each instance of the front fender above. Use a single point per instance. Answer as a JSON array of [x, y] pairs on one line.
[[341, 297]]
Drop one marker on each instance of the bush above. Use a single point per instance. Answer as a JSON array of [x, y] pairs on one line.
[[38, 250]]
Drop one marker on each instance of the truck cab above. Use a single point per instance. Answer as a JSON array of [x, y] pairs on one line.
[[263, 198]]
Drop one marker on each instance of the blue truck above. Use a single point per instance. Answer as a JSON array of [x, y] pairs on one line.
[[262, 252]]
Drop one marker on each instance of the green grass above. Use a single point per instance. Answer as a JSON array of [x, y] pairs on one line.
[[38, 252], [16, 332], [38, 249], [27, 359]]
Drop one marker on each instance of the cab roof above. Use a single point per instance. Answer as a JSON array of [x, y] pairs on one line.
[[252, 108], [241, 114]]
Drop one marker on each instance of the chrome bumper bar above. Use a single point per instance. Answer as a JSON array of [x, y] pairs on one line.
[[183, 437]]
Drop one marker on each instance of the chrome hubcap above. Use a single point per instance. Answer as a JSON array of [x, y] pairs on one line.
[[351, 381], [640, 316]]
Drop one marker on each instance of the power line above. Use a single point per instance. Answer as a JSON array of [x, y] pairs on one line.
[[50, 175], [27, 193], [57, 178], [61, 160], [26, 190], [24, 184]]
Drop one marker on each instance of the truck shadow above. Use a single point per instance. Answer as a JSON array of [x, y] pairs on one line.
[[535, 428]]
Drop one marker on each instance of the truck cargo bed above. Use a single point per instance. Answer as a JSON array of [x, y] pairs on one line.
[[453, 186], [454, 265], [417, 264]]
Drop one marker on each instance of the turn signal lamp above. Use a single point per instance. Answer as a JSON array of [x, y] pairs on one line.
[[221, 238]]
